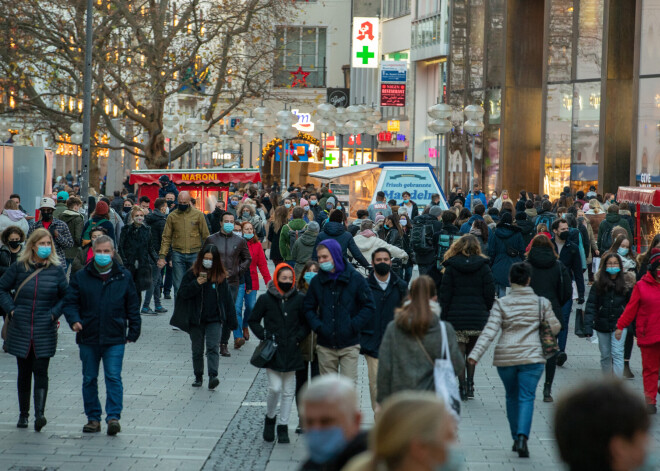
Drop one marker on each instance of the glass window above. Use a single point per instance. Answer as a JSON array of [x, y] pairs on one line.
[[300, 46]]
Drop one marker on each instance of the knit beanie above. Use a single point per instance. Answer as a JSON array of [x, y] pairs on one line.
[[101, 208], [654, 261]]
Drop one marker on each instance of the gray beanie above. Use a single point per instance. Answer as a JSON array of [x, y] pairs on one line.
[[332, 200], [435, 211], [366, 224], [313, 227]]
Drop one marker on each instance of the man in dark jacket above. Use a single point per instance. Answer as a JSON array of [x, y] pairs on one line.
[[335, 229], [388, 291], [100, 304], [569, 255], [338, 305], [409, 205], [479, 211], [214, 219], [425, 257], [167, 186], [156, 222]]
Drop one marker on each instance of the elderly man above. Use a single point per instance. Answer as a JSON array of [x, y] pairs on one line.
[[332, 418], [185, 231], [100, 306]]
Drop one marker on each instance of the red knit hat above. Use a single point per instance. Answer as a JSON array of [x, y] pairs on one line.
[[101, 208]]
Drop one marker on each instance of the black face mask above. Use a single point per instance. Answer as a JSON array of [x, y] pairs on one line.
[[183, 207], [14, 244], [382, 268], [563, 235], [170, 203], [46, 216], [127, 209], [285, 287], [459, 194]]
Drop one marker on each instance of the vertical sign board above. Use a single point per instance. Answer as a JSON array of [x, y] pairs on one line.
[[365, 54], [393, 78], [393, 72], [392, 94]]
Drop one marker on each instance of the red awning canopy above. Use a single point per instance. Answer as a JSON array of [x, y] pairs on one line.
[[638, 195], [197, 177]]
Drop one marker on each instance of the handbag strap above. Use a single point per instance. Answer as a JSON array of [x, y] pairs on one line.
[[445, 345], [419, 342], [28, 278], [541, 319]]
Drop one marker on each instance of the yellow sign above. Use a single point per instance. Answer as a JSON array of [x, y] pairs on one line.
[[198, 176], [394, 125]]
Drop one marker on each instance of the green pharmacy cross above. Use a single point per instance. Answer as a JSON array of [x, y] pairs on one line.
[[365, 55], [330, 158]]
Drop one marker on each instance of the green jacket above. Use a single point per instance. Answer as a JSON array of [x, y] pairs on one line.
[[59, 209], [184, 231], [611, 221], [285, 248], [74, 220], [302, 250]]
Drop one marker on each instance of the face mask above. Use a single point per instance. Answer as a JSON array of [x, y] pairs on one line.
[[139, 219], [234, 202], [170, 203], [207, 263], [622, 251], [382, 268], [406, 201], [403, 222], [325, 444], [309, 275], [127, 209], [504, 197], [287, 205], [454, 461], [563, 235], [306, 208], [327, 266], [183, 207], [386, 227], [613, 270], [43, 251], [293, 203], [246, 214], [563, 215], [239, 234], [248, 236], [102, 259], [329, 206], [167, 210], [228, 227], [313, 202], [285, 287], [14, 244], [46, 216]]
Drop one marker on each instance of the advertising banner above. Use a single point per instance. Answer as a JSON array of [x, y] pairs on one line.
[[419, 182], [393, 71], [365, 54], [392, 94]]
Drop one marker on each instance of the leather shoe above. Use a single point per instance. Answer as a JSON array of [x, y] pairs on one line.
[[22, 421], [224, 351], [238, 343], [521, 446], [246, 333], [113, 427], [92, 426]]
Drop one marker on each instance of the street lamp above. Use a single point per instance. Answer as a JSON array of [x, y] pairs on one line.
[[373, 117], [440, 124], [473, 126]]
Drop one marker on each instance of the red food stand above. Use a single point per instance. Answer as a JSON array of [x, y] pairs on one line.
[[205, 186], [647, 203]]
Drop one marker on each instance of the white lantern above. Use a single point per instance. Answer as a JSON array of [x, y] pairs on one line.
[[439, 111], [474, 112], [286, 117], [473, 127], [326, 110], [325, 125], [354, 112], [439, 126], [354, 127], [261, 113], [77, 128], [259, 127], [170, 120]]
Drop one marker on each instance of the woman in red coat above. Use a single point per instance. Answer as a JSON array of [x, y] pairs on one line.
[[258, 262], [644, 307]]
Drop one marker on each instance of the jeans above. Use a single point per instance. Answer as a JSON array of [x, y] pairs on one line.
[[500, 290], [112, 356], [156, 280], [181, 263], [407, 273], [281, 387], [611, 352], [210, 333], [27, 367], [520, 383], [249, 299], [167, 283], [563, 333]]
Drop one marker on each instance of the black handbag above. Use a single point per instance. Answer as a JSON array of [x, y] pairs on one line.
[[513, 253], [264, 352], [580, 328]]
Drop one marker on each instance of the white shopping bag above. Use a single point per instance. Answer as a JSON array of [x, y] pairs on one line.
[[446, 383], [595, 264]]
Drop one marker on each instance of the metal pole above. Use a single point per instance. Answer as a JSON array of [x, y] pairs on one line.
[[325, 145], [472, 174], [261, 149], [362, 147], [282, 164], [169, 155], [354, 149], [87, 101], [250, 154], [341, 149], [437, 156]]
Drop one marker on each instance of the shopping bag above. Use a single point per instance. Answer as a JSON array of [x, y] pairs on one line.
[[580, 329], [595, 264], [446, 383]]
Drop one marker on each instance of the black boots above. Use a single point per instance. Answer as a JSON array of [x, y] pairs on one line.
[[199, 379], [269, 429], [283, 434], [547, 392], [213, 382], [521, 446], [22, 421], [39, 408], [224, 351], [462, 390], [470, 388]]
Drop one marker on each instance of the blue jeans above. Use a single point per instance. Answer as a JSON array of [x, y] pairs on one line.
[[249, 299], [563, 333], [520, 383], [112, 356], [181, 263], [611, 352], [500, 290], [154, 291], [167, 283]]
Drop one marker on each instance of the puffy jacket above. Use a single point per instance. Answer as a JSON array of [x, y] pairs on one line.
[[74, 220], [109, 311], [502, 239], [604, 309], [284, 318], [550, 278], [62, 241], [644, 308], [368, 245], [185, 232], [337, 231], [234, 253], [156, 222], [467, 292], [138, 254], [36, 309], [258, 262], [385, 302], [517, 316], [285, 239], [337, 310], [611, 221], [14, 217], [302, 250]]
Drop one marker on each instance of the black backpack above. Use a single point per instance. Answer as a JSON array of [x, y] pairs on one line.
[[293, 235], [422, 236]]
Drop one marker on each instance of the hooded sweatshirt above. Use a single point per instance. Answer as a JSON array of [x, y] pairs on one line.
[[335, 251], [302, 249]]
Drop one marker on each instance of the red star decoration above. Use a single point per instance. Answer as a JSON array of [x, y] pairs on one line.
[[299, 77]]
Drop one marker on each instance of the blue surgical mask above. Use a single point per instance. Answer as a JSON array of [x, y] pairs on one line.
[[454, 461], [386, 227], [622, 251], [329, 206], [324, 444], [293, 203], [309, 275], [228, 227], [406, 201], [248, 236], [43, 251], [102, 259], [403, 222], [246, 214], [234, 202], [287, 205], [313, 202], [612, 270], [327, 266]]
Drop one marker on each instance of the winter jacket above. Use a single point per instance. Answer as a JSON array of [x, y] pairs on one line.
[[426, 257], [550, 279], [117, 204], [214, 220], [63, 240], [74, 220], [185, 232], [531, 216], [285, 239], [7, 258], [337, 231], [59, 209], [611, 221], [354, 227], [14, 217], [368, 245], [595, 220], [385, 302], [570, 257], [100, 221], [117, 223], [257, 262], [156, 222], [234, 254], [169, 188], [466, 226], [274, 239], [467, 292], [625, 214], [257, 225], [337, 310], [403, 365], [379, 207], [503, 240], [284, 318], [106, 309], [302, 250], [36, 309], [517, 316], [644, 308], [188, 304], [413, 210], [527, 230], [603, 310], [138, 254], [393, 237], [477, 198]]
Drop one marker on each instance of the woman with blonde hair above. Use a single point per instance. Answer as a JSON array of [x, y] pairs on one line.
[[413, 341], [247, 212], [32, 291], [414, 432], [466, 296]]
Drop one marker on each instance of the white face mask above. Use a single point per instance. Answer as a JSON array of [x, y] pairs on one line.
[[139, 219], [239, 234], [207, 263], [403, 222]]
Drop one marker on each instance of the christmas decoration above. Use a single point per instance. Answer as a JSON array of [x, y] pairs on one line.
[[299, 77]]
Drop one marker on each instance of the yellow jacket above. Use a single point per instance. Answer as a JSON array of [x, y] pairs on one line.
[[184, 231]]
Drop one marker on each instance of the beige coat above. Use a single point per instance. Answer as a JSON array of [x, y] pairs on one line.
[[517, 317]]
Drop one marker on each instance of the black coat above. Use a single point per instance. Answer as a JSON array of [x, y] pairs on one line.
[[188, 304], [106, 309], [214, 220], [604, 309], [36, 309], [570, 257], [284, 318], [274, 238], [338, 232], [467, 292], [393, 237], [138, 253], [550, 278], [503, 238], [386, 302], [527, 229], [156, 222], [426, 257]]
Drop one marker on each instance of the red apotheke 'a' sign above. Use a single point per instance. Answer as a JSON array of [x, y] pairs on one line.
[[392, 94]]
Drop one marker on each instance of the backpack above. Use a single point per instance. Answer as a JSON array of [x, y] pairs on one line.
[[444, 242], [293, 235], [607, 241], [92, 225], [422, 236], [545, 218]]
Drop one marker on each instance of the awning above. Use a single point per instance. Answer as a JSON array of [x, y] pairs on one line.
[[638, 195], [342, 171], [197, 177]]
